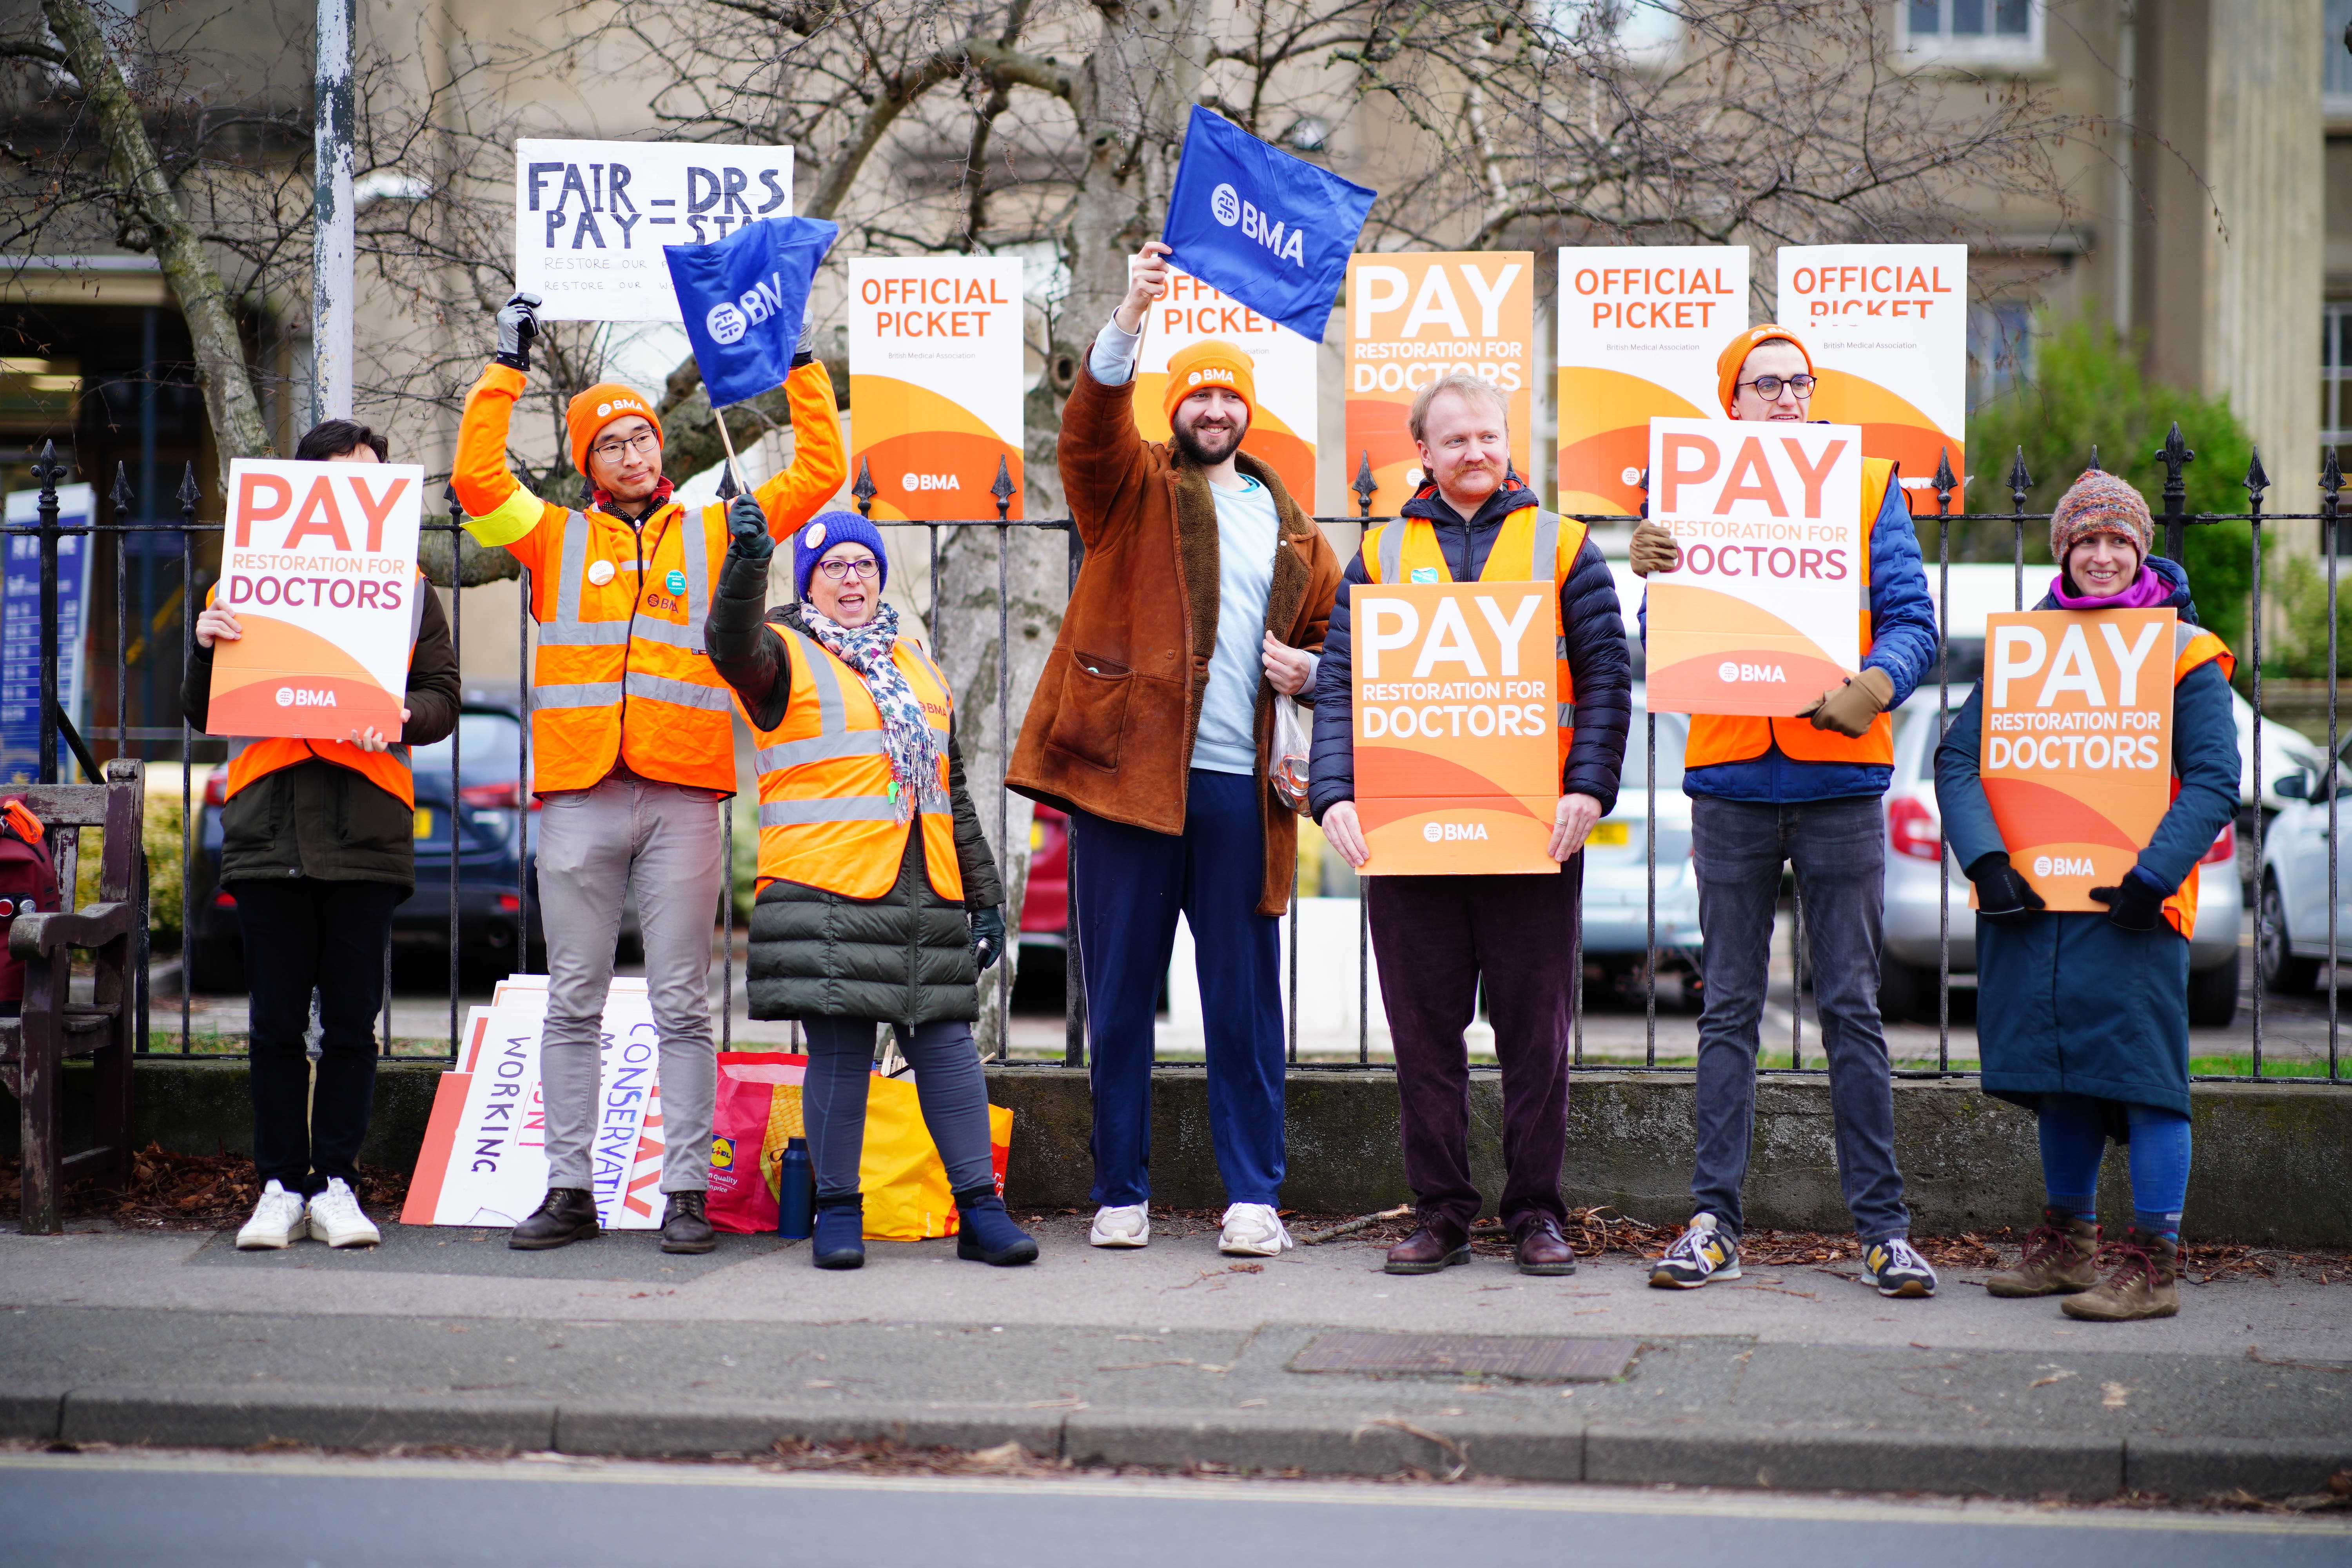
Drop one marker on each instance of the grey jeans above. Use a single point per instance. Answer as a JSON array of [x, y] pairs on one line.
[[949, 1085], [1838, 849], [592, 844]]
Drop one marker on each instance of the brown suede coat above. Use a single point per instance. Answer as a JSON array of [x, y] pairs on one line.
[[1110, 728]]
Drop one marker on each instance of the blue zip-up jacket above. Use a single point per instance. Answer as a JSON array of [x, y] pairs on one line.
[[1903, 644], [1590, 620]]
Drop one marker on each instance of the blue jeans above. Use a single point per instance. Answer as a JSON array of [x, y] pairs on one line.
[[1838, 849], [949, 1085], [1130, 882]]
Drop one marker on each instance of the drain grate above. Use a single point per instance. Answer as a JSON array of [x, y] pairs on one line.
[[1477, 1355]]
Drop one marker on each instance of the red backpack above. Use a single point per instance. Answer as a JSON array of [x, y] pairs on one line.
[[29, 884]]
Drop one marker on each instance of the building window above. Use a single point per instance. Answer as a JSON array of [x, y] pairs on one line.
[[2335, 77], [2000, 349], [2335, 382], [1969, 32]]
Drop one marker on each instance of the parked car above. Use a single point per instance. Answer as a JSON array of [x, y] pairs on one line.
[[492, 818], [1908, 972], [2294, 891], [1616, 872], [1045, 907]]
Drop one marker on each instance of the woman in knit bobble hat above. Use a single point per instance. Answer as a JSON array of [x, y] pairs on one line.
[[2104, 1051]]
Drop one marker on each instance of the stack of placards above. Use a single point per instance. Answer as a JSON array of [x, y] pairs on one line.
[[485, 1156]]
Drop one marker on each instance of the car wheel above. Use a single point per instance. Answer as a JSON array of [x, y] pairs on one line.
[[1906, 993], [2213, 996], [2282, 972]]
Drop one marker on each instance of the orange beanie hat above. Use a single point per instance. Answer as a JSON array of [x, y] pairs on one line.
[[1210, 363], [1735, 354], [598, 407]]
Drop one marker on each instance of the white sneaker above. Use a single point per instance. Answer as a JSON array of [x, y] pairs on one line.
[[1253, 1230], [277, 1221], [336, 1219], [1129, 1224]]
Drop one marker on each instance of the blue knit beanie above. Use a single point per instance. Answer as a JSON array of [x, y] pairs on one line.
[[824, 530]]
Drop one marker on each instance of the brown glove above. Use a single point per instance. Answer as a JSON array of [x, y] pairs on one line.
[[1849, 709], [1653, 550]]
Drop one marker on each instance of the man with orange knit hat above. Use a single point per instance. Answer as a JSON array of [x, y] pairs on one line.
[[1205, 591], [1804, 790], [633, 752]]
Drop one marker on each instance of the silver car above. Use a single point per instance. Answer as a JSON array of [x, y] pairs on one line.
[[1906, 974], [1616, 893], [2294, 880]]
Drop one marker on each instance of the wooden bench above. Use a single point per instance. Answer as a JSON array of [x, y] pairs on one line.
[[34, 1048]]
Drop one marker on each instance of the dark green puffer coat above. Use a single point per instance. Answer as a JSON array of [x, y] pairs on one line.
[[905, 957]]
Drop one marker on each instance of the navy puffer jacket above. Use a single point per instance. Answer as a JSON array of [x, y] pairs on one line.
[[1588, 616]]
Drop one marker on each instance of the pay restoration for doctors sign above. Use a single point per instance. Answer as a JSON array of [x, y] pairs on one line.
[[2076, 753], [590, 218], [318, 565], [1457, 760], [1764, 611]]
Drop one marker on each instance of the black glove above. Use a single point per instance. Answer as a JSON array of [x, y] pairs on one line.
[[518, 324], [747, 529], [2003, 897], [988, 934], [2134, 903]]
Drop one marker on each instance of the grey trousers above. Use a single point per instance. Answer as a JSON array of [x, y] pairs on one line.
[[592, 844], [949, 1085]]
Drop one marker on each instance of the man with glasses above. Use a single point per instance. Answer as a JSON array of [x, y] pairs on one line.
[[633, 751], [1803, 791]]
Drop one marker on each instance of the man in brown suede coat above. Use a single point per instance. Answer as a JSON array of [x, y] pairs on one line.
[[1205, 591]]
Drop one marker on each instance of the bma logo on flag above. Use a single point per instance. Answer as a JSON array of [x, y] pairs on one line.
[[730, 319], [1287, 243], [1225, 203], [725, 323]]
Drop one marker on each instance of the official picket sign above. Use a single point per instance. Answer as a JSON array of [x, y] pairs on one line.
[[2077, 744], [1640, 328], [1888, 328], [591, 217], [1282, 426], [1413, 317], [319, 565], [1764, 611], [1457, 762], [936, 380]]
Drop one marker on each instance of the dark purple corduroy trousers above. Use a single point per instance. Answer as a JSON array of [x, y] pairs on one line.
[[1437, 938]]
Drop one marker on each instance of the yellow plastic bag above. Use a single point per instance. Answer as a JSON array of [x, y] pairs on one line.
[[898, 1169]]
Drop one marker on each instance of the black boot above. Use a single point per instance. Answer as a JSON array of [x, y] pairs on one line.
[[566, 1214], [686, 1229], [986, 1234], [839, 1241]]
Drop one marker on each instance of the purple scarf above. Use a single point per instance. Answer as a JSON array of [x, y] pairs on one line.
[[2149, 592]]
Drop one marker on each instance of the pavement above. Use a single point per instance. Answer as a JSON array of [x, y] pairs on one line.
[[1173, 1357]]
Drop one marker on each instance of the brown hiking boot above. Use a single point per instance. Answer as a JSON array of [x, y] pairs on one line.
[[2057, 1262], [2141, 1286]]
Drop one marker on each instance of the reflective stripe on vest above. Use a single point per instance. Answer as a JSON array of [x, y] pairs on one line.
[[633, 687], [827, 818], [1717, 738], [1530, 535], [2193, 647], [252, 758]]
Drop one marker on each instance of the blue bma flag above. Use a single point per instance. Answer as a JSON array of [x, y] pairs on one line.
[[743, 297], [1272, 231]]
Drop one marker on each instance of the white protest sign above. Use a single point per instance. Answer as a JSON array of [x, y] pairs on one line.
[[318, 565], [1766, 610], [590, 218], [485, 1157]]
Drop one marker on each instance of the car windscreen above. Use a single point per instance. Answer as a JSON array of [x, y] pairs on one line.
[[484, 745]]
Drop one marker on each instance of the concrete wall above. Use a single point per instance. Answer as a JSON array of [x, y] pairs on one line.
[[2269, 1165]]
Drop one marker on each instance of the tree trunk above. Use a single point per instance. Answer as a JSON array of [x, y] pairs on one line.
[[146, 197]]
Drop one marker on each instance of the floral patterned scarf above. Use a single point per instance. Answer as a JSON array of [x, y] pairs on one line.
[[906, 735]]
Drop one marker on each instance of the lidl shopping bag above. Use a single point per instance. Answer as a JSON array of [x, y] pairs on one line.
[[898, 1171]]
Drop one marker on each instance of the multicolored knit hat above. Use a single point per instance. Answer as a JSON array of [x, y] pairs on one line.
[[2096, 502]]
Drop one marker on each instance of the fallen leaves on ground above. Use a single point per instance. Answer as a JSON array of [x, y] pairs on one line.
[[171, 1191]]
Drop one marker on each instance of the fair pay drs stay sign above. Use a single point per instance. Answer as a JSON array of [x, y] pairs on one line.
[[1766, 609], [590, 218], [318, 565]]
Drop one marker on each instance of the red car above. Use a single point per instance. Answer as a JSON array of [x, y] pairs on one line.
[[1046, 912]]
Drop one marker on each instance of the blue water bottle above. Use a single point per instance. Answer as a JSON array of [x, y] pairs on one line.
[[796, 1192]]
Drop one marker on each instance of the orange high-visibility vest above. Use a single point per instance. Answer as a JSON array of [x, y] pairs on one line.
[[620, 674], [388, 770], [1408, 551], [828, 816], [1725, 738], [2192, 648]]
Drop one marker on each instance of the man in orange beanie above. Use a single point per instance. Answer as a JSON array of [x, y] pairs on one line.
[[632, 746], [1204, 593], [1803, 790]]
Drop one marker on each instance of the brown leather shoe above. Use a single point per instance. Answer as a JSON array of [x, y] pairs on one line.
[[1434, 1245], [686, 1228], [565, 1214], [1541, 1247]]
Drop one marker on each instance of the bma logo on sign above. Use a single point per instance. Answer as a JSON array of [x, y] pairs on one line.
[[1452, 832], [1730, 672], [2064, 866], [911, 480], [297, 697]]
